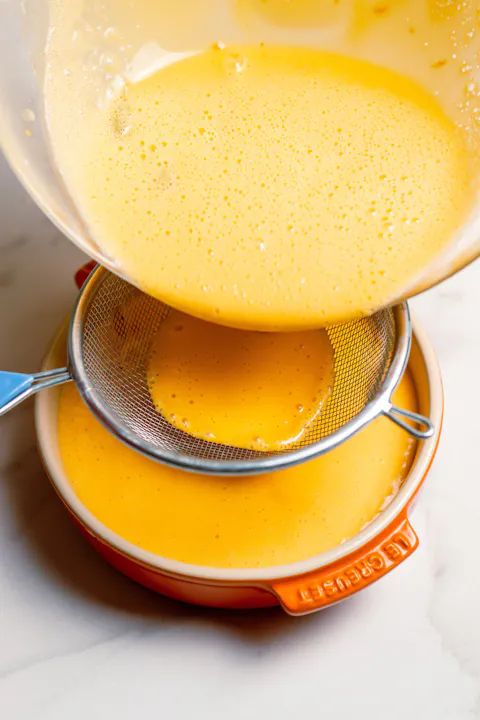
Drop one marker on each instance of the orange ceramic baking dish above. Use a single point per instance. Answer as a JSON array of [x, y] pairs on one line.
[[300, 587]]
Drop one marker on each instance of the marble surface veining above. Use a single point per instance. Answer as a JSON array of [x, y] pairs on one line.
[[77, 640]]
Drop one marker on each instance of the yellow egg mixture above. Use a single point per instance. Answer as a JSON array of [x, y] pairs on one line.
[[233, 522], [237, 387], [263, 184], [257, 185]]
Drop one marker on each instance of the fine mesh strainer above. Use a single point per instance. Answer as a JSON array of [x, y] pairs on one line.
[[111, 332]]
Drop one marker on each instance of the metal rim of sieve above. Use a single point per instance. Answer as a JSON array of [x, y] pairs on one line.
[[381, 404]]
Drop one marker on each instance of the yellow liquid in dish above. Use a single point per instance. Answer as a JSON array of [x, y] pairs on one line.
[[253, 390], [265, 187], [236, 522]]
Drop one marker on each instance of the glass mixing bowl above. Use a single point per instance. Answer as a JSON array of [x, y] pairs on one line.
[[437, 42]]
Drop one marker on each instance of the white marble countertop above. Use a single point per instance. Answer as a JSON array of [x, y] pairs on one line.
[[77, 640]]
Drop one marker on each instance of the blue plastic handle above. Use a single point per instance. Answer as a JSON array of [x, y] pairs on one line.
[[12, 385]]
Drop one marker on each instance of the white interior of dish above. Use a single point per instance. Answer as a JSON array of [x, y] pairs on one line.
[[426, 373]]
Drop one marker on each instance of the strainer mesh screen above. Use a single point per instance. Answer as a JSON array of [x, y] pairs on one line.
[[118, 328]]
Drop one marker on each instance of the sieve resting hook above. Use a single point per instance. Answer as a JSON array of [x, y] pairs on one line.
[[17, 387], [420, 427]]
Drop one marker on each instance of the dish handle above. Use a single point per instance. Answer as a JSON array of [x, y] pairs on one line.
[[320, 588], [82, 273]]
